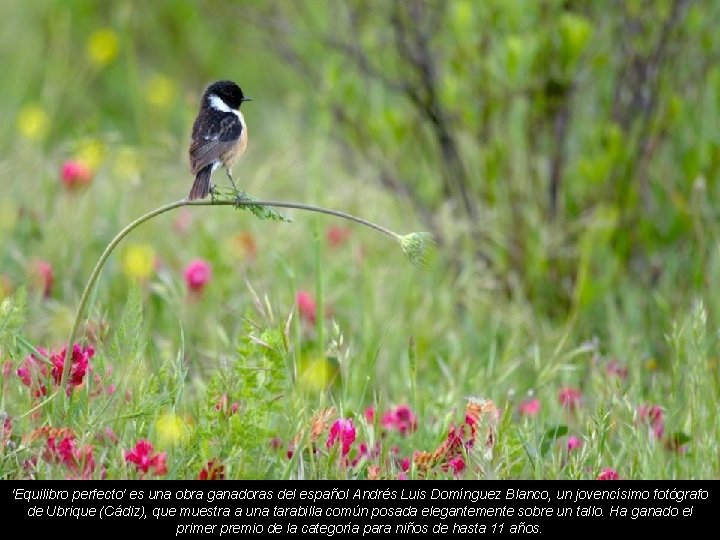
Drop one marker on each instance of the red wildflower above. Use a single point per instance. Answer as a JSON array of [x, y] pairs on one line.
[[343, 430], [145, 459], [276, 443], [570, 397], [405, 464], [573, 443], [161, 464], [336, 236], [306, 306], [5, 432], [32, 371], [369, 414], [79, 461], [74, 173], [608, 474], [364, 451], [30, 464], [401, 418], [479, 414], [457, 464], [221, 404], [615, 369], [183, 221], [653, 415], [80, 363], [197, 275], [43, 276], [214, 470], [529, 407]]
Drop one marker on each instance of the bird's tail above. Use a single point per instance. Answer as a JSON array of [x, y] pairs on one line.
[[201, 186]]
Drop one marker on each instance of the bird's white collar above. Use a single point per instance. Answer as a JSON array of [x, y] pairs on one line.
[[218, 104]]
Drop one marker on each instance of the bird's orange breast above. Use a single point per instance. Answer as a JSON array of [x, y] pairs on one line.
[[230, 157]]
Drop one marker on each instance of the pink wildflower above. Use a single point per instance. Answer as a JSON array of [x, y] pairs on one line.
[[608, 474], [79, 367], [573, 443], [43, 276], [79, 461], [457, 464], [214, 470], [336, 236], [32, 373], [616, 369], [653, 415], [75, 173], [306, 306], [344, 431], [197, 275], [529, 407], [145, 458], [570, 398], [401, 418]]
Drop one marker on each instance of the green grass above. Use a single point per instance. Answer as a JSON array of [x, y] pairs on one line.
[[237, 374]]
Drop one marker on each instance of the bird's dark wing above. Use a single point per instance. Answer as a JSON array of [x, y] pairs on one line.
[[213, 135]]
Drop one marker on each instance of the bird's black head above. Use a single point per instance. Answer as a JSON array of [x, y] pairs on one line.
[[229, 92]]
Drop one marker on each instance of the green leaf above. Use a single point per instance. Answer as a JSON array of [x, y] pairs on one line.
[[550, 436], [12, 314], [129, 340], [261, 212], [680, 438], [575, 32]]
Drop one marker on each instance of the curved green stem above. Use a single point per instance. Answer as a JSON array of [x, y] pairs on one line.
[[84, 299]]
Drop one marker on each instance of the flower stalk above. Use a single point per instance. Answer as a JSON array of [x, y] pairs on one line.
[[413, 244]]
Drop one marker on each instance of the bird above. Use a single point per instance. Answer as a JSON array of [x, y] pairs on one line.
[[219, 135]]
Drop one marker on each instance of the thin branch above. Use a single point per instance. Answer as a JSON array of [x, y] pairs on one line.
[[413, 245]]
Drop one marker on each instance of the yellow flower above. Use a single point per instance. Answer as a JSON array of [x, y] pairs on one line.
[[126, 164], [103, 46], [651, 364], [33, 122], [160, 91], [171, 429], [91, 152], [317, 374], [8, 215], [138, 261]]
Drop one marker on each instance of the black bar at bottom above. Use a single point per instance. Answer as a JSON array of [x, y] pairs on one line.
[[360, 508]]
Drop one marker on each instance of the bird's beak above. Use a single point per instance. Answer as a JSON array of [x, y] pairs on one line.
[[247, 99]]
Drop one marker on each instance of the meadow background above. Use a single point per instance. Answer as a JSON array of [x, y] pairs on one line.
[[564, 154]]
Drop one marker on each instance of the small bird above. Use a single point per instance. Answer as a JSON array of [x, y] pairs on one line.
[[219, 135]]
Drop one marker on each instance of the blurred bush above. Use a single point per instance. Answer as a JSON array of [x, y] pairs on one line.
[[563, 144]]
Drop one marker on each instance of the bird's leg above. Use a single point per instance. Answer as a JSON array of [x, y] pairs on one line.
[[229, 175], [213, 192]]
